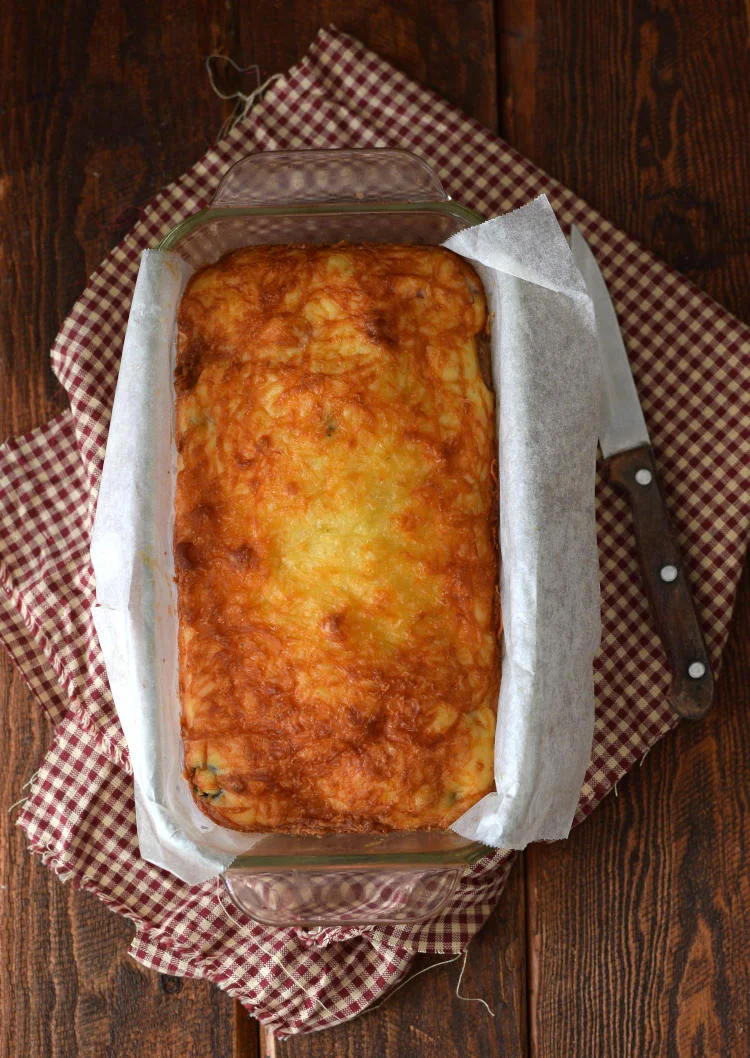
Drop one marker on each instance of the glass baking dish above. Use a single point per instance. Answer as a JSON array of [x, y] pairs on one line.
[[329, 197]]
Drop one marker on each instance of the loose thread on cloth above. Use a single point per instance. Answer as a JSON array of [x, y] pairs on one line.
[[434, 966], [471, 999], [411, 977], [244, 101], [24, 799]]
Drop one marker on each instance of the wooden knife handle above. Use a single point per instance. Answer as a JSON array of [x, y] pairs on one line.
[[634, 472]]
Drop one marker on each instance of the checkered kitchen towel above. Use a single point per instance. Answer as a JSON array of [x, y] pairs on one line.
[[686, 353]]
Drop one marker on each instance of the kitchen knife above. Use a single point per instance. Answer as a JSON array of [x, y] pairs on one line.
[[629, 464]]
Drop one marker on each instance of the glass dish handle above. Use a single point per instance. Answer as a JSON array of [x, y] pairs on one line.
[[354, 896], [288, 178]]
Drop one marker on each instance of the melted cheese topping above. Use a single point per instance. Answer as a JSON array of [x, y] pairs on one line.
[[335, 539]]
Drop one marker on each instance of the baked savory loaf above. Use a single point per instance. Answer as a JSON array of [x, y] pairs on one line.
[[335, 539]]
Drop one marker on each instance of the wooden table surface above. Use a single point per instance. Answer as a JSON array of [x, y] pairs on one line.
[[633, 937]]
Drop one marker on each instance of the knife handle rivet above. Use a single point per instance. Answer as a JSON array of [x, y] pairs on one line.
[[696, 669], [643, 477], [668, 574]]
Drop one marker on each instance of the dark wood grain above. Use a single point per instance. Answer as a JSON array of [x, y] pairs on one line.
[[447, 45], [671, 602], [640, 922], [517, 46], [642, 108]]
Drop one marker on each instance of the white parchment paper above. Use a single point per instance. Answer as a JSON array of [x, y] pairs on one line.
[[545, 373]]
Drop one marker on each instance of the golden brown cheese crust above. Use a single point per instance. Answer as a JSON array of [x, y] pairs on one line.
[[335, 539]]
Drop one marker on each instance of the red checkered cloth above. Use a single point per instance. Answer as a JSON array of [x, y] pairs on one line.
[[686, 353]]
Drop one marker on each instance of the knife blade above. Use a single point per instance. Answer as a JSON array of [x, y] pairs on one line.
[[629, 464]]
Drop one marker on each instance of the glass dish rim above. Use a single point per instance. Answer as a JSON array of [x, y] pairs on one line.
[[466, 855], [171, 241]]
